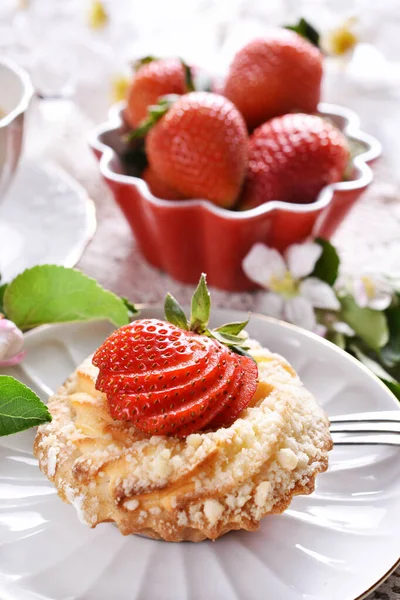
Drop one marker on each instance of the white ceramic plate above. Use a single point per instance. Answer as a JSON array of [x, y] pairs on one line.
[[46, 217], [336, 544]]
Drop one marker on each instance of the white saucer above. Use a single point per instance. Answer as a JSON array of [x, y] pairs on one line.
[[46, 217], [339, 543]]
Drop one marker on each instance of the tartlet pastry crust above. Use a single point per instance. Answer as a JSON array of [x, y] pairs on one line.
[[185, 489]]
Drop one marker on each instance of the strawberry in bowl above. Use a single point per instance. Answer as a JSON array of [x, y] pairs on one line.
[[210, 188]]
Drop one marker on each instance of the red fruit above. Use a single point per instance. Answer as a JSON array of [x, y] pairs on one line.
[[158, 187], [152, 80], [275, 75], [199, 147], [168, 381], [292, 158]]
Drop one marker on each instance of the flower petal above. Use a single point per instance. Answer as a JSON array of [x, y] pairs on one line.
[[319, 293], [382, 301], [343, 328], [360, 292], [271, 304], [301, 258], [299, 311], [262, 262], [15, 360]]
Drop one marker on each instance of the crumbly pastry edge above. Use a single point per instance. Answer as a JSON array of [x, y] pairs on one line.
[[192, 489]]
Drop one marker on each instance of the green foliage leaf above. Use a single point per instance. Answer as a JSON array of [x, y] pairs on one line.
[[374, 366], [2, 292], [394, 387], [54, 294], [20, 408], [232, 328], [327, 266], [337, 338], [201, 306], [306, 30], [370, 325], [391, 352], [174, 312], [132, 310], [378, 370]]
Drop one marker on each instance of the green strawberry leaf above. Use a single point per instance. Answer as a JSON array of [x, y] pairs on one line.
[[306, 30], [188, 77], [227, 339], [201, 306], [327, 266], [370, 325], [232, 328], [137, 64], [20, 407], [53, 294], [174, 312], [391, 352], [155, 112], [2, 292]]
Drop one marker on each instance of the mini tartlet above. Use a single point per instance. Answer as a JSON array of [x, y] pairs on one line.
[[184, 487]]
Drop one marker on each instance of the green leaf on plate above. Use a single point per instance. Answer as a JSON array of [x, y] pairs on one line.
[[174, 312], [20, 407], [370, 325], [306, 30], [327, 266], [54, 294], [232, 328], [132, 310], [391, 352], [201, 305], [2, 292]]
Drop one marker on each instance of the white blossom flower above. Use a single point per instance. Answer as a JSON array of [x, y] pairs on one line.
[[292, 294], [372, 291], [11, 344]]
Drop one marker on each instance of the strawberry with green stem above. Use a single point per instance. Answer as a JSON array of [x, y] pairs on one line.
[[178, 376]]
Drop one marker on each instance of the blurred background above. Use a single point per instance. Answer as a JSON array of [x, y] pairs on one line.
[[79, 55]]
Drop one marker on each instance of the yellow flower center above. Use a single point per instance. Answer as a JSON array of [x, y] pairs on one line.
[[120, 85], [286, 286], [98, 16], [369, 286], [342, 39]]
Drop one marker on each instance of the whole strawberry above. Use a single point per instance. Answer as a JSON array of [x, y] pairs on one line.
[[199, 148], [292, 158], [158, 187], [152, 80], [275, 75]]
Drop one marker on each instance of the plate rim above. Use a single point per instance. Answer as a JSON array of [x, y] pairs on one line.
[[285, 325]]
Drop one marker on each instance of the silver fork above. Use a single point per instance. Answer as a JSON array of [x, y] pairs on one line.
[[376, 428]]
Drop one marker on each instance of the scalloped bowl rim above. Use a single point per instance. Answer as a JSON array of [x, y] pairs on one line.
[[351, 129], [27, 94]]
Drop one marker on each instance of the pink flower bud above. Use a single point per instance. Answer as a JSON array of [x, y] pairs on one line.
[[11, 344]]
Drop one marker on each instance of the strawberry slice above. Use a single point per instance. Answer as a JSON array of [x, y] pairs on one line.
[[153, 402], [240, 395]]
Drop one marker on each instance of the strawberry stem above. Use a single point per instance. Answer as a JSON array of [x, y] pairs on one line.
[[155, 112], [306, 30], [188, 76]]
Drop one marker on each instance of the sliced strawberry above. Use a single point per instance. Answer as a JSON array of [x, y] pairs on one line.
[[154, 402], [240, 396], [193, 416], [165, 380]]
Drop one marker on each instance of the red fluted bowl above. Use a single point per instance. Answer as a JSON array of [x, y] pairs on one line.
[[188, 237]]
